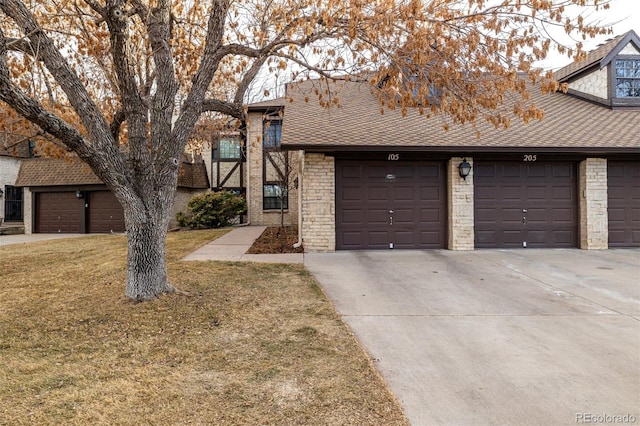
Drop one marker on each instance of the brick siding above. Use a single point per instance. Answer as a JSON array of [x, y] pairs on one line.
[[318, 204], [460, 206], [594, 220]]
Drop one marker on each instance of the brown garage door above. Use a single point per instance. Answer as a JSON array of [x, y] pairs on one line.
[[382, 205], [105, 213], [623, 179], [525, 204], [58, 212]]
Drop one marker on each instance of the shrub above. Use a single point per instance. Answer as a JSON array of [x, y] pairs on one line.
[[212, 210]]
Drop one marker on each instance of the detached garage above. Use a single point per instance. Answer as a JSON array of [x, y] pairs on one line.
[[78, 212], [66, 197]]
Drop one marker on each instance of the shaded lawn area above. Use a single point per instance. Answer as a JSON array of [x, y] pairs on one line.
[[253, 344]]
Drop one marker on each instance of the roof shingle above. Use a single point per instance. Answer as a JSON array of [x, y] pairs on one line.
[[568, 123], [60, 172]]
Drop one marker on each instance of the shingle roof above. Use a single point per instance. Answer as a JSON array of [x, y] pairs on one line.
[[58, 172], [596, 56], [271, 103], [54, 172], [193, 175], [569, 123]]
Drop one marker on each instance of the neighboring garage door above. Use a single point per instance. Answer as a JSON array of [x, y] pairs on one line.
[[531, 204], [394, 204], [623, 179], [105, 213], [58, 212]]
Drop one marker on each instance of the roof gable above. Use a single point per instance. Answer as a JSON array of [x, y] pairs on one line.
[[601, 56]]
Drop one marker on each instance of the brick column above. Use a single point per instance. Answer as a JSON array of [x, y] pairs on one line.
[[460, 206], [27, 207], [318, 203], [594, 219]]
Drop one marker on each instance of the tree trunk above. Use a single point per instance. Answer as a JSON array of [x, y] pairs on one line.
[[146, 259]]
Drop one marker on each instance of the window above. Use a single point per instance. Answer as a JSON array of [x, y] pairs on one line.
[[229, 148], [271, 133], [13, 204], [271, 197], [628, 78]]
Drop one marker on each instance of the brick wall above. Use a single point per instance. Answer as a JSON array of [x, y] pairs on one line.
[[594, 220], [257, 215], [27, 208], [318, 203], [460, 206]]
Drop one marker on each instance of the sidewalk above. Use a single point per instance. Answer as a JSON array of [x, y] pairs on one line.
[[233, 247]]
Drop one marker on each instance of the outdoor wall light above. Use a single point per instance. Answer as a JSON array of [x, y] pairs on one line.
[[464, 169], [79, 194]]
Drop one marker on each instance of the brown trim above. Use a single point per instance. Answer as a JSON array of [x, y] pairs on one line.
[[462, 150]]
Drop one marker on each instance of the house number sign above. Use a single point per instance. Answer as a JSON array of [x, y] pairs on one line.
[[530, 157], [393, 157]]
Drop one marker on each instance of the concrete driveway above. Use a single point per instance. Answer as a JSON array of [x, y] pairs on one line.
[[496, 337]]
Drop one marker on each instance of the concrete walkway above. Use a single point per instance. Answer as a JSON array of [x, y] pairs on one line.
[[233, 247]]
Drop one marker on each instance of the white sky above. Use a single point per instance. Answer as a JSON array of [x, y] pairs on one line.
[[623, 15]]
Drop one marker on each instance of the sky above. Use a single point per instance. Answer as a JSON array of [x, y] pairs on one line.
[[623, 15]]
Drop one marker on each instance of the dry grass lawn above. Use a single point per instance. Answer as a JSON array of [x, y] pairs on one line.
[[255, 344]]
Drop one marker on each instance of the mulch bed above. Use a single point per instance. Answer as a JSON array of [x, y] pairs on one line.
[[276, 240]]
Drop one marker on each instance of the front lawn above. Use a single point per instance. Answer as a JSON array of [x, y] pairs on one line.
[[254, 344]]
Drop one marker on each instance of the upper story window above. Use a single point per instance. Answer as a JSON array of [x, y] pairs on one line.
[[271, 133], [628, 78], [229, 148]]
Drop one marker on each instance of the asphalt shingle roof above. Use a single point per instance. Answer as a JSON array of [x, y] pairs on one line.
[[569, 123], [59, 172]]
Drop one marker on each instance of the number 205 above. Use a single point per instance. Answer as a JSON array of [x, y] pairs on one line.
[[530, 157]]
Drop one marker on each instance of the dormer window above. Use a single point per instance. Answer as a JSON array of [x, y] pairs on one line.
[[628, 78]]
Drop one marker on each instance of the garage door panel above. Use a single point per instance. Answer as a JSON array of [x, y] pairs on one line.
[[535, 193], [416, 197], [377, 193], [430, 215], [623, 188], [404, 193], [403, 216], [532, 202], [507, 171], [562, 170], [562, 193], [351, 171], [378, 217], [351, 216], [429, 172], [351, 194]]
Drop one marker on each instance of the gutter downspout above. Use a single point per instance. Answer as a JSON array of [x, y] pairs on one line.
[[300, 185]]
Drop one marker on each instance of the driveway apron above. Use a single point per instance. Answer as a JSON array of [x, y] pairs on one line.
[[496, 337]]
